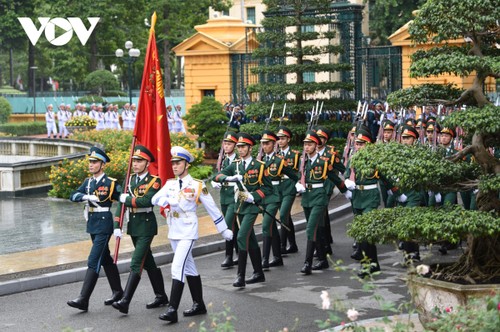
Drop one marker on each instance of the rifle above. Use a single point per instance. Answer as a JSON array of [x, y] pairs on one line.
[[318, 113], [276, 146], [400, 125], [350, 137], [422, 131], [302, 169], [434, 134], [261, 150], [380, 134], [220, 159]]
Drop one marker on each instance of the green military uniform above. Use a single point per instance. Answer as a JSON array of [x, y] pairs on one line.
[[275, 167], [387, 199], [315, 199], [142, 227], [258, 187], [288, 194], [227, 204]]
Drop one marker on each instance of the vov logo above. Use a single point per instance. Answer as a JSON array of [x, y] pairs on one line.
[[48, 25]]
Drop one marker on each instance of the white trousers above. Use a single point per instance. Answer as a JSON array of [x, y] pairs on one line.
[[183, 262]]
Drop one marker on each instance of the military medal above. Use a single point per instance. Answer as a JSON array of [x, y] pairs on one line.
[[176, 214]]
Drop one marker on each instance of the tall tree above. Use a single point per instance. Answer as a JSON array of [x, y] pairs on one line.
[[437, 22], [296, 36]]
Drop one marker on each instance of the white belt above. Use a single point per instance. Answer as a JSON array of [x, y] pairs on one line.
[[98, 209], [314, 185], [285, 176], [229, 184], [275, 183], [367, 187], [141, 210]]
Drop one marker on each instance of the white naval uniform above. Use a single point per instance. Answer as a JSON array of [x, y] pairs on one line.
[[183, 222], [51, 123]]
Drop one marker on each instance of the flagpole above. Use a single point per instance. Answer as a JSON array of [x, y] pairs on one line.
[[127, 178]]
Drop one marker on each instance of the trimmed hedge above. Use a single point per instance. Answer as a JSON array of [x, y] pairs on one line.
[[24, 128]]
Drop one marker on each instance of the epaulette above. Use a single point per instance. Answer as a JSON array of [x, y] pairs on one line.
[[198, 180], [296, 151], [154, 176], [236, 160], [112, 179], [279, 156], [260, 161]]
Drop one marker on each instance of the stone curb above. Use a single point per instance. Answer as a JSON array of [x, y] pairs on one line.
[[161, 258]]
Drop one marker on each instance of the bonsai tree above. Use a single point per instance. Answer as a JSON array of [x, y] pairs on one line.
[[100, 81], [417, 167]]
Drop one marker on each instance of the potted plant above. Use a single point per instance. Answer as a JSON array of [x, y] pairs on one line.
[[82, 123], [420, 168]]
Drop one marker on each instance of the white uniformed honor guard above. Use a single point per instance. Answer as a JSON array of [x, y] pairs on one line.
[[182, 195]]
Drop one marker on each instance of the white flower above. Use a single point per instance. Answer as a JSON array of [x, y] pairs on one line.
[[326, 300], [352, 314], [423, 269]]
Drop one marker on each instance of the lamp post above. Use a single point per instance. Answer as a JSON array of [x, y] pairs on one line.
[[34, 93], [133, 54]]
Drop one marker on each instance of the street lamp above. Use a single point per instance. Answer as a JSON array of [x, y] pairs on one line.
[[34, 93], [133, 54]]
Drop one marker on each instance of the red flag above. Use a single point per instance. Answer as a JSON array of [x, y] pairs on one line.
[[151, 126]]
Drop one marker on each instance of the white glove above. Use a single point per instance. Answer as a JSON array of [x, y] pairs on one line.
[[475, 191], [118, 233], [348, 194], [90, 198], [349, 184], [234, 178], [216, 185], [438, 198], [300, 188], [123, 197], [249, 198], [389, 192], [227, 234], [402, 198]]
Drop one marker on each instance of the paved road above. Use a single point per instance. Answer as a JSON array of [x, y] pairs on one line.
[[286, 299]]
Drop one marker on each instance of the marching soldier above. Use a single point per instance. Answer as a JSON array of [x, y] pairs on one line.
[[275, 168], [227, 198], [287, 190], [142, 227], [99, 191], [253, 188], [387, 136], [101, 120], [314, 171], [328, 153], [182, 195], [411, 198], [364, 194]]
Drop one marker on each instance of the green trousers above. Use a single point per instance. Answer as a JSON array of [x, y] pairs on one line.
[[246, 235], [315, 219], [142, 257]]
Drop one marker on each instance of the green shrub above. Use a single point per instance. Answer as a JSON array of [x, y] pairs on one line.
[[101, 81], [112, 140], [201, 172], [114, 93], [89, 99], [24, 128], [5, 110]]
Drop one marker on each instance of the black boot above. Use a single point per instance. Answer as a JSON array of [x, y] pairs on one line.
[[114, 282], [235, 261], [175, 299], [283, 239], [276, 245], [292, 249], [82, 301], [258, 274], [196, 290], [133, 281], [322, 261], [161, 298], [228, 260], [266, 250], [307, 268], [242, 266]]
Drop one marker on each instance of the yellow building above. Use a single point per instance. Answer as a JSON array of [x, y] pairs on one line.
[[402, 38], [207, 58]]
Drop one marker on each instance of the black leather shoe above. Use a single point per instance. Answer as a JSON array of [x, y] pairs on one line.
[[365, 274], [265, 264], [255, 278], [239, 282], [79, 303], [443, 250], [159, 301], [228, 262], [320, 265], [170, 315], [357, 255], [196, 309], [115, 297], [276, 262], [328, 250], [306, 269], [292, 249]]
